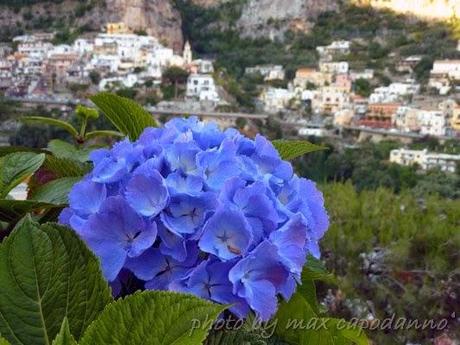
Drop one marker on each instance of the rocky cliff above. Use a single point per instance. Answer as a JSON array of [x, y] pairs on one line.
[[156, 17], [270, 18]]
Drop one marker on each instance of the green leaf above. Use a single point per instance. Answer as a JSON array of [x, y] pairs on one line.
[[55, 192], [126, 115], [290, 149], [65, 167], [64, 336], [293, 319], [3, 341], [96, 134], [52, 122], [47, 273], [347, 333], [63, 149], [240, 337], [299, 324], [16, 167], [13, 210], [154, 318], [315, 270], [308, 291], [5, 150]]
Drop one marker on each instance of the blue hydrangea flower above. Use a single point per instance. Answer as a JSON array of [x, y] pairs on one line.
[[191, 208]]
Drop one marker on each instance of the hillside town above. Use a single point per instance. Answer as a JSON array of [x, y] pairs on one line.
[[113, 59], [319, 100], [191, 120]]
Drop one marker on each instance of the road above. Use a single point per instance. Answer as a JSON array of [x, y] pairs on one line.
[[153, 110], [385, 132], [226, 115]]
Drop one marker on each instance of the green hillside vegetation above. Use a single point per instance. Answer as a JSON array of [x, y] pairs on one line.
[[367, 168], [63, 24], [381, 38], [418, 276]]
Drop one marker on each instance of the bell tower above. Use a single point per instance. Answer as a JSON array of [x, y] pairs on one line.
[[187, 55]]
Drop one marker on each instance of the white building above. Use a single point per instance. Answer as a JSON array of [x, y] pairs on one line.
[[126, 81], [269, 72], [83, 46], [394, 92], [335, 48], [109, 63], [443, 73], [330, 99], [127, 46], [334, 67], [450, 67], [312, 132], [202, 86], [432, 122], [162, 55], [201, 66], [276, 99], [426, 160], [408, 64], [34, 49], [366, 74]]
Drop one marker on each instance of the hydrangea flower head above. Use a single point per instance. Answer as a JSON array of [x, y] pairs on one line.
[[191, 208]]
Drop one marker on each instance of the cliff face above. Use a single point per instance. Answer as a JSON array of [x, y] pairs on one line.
[[273, 17], [157, 17]]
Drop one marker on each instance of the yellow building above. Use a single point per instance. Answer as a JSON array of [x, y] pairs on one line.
[[455, 121], [304, 76], [117, 28]]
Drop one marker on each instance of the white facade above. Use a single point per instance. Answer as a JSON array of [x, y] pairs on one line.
[[394, 92], [442, 75], [331, 99], [127, 81], [312, 132], [127, 45], [60, 49], [334, 67], [276, 99], [426, 160], [432, 123], [162, 55], [105, 62], [202, 86], [450, 67], [203, 66], [269, 72], [35, 49], [366, 74], [335, 48], [83, 46]]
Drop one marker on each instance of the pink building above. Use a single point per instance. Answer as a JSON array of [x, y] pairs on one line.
[[343, 81]]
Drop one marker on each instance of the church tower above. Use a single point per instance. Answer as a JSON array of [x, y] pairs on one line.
[[187, 53]]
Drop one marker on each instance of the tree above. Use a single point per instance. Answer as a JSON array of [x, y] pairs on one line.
[[423, 68], [363, 87], [95, 77], [175, 76]]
